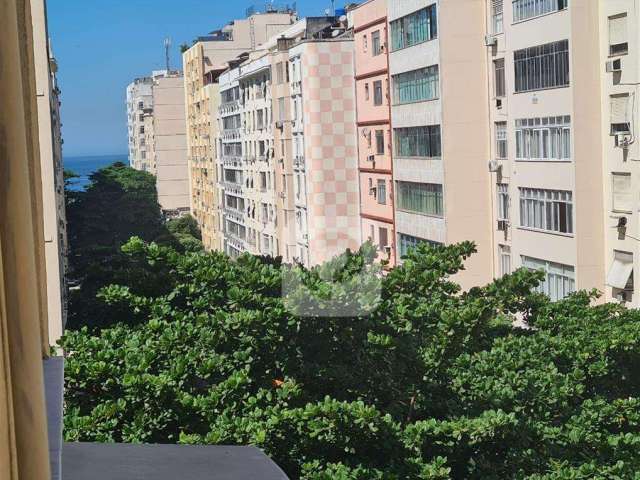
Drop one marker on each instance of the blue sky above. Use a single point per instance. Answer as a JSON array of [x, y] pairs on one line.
[[101, 45]]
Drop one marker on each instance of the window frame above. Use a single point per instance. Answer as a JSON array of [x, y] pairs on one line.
[[424, 80], [402, 28], [541, 210], [421, 192]]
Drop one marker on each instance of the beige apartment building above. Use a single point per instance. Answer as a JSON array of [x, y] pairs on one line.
[[203, 63], [51, 170], [157, 136]]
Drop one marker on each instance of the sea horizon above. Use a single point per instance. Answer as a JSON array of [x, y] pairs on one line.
[[85, 165]]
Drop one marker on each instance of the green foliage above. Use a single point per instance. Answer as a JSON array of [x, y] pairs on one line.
[[118, 204], [433, 383]]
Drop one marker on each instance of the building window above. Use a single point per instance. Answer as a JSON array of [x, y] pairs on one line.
[[376, 46], [498, 70], [383, 237], [620, 275], [503, 201], [547, 138], [366, 91], [622, 193], [542, 66], [279, 73], [620, 114], [377, 92], [364, 42], [501, 140], [618, 43], [380, 142], [416, 86], [496, 16], [263, 181], [524, 9], [381, 192], [505, 260], [559, 280], [418, 141], [407, 242], [282, 114], [415, 28], [425, 198], [550, 210]]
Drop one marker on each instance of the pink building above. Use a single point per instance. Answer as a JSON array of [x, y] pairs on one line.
[[324, 149], [373, 114]]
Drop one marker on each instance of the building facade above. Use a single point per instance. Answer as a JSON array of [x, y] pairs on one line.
[[51, 171], [139, 100], [203, 63], [371, 64], [437, 64]]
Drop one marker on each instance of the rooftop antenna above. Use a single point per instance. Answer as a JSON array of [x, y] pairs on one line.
[[167, 48]]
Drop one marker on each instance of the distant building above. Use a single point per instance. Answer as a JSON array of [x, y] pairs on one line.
[[139, 98], [288, 152], [203, 63], [51, 171], [157, 136]]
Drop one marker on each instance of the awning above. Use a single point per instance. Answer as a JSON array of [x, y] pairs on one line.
[[620, 270]]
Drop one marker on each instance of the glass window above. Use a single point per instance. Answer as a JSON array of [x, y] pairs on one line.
[[416, 85], [620, 113], [376, 46], [414, 28], [559, 280], [418, 141], [503, 201], [381, 192], [523, 9], [618, 43], [498, 68], [366, 91], [550, 210], [383, 237], [501, 140], [546, 138], [425, 198], [542, 66], [622, 193], [380, 142], [407, 242], [377, 92], [496, 16], [505, 259]]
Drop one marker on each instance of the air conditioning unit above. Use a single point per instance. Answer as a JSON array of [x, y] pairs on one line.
[[614, 65], [371, 158], [373, 191], [490, 40], [498, 103], [280, 124], [494, 165], [387, 249], [623, 140], [503, 225]]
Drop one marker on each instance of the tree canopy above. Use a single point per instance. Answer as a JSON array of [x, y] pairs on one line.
[[433, 383], [119, 202]]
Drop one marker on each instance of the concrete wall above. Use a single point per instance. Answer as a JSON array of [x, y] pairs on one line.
[[170, 144]]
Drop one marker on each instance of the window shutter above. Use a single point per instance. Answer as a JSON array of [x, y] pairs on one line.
[[618, 29], [622, 195], [496, 6], [619, 106]]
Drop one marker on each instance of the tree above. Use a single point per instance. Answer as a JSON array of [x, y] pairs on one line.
[[434, 383], [120, 202]]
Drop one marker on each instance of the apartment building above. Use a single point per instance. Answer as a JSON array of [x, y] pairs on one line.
[[203, 63], [51, 170], [619, 70], [373, 105], [439, 112], [169, 148], [548, 158], [157, 136], [139, 99]]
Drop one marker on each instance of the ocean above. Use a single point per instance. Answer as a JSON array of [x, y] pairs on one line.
[[85, 166]]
